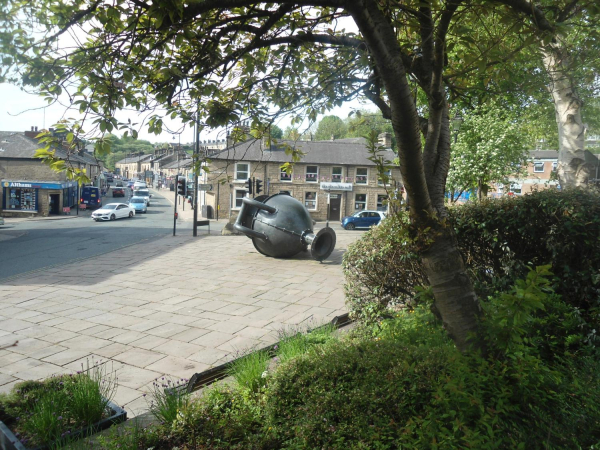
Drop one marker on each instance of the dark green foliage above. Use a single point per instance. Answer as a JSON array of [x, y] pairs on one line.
[[382, 269], [500, 241]]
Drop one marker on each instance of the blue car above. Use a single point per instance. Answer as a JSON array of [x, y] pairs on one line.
[[138, 204], [362, 219]]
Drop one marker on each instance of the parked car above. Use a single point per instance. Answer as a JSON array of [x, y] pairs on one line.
[[113, 211], [362, 219], [138, 204], [118, 192], [145, 193], [91, 197]]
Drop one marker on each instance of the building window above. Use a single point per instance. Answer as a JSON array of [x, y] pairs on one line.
[[515, 188], [312, 174], [310, 200], [554, 166], [382, 202], [336, 175], [21, 199], [360, 202], [284, 176], [538, 167], [239, 195], [362, 174], [387, 176], [242, 171]]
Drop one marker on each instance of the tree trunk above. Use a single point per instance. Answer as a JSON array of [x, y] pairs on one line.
[[455, 299], [573, 170], [424, 174]]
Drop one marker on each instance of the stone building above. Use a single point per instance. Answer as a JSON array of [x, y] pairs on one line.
[[30, 188], [334, 177], [541, 173]]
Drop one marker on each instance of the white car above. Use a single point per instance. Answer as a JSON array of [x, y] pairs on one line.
[[113, 211], [140, 185], [144, 193]]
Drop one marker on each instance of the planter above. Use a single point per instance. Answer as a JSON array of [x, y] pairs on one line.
[[8, 441]]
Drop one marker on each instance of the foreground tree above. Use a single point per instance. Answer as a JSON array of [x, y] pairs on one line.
[[242, 59]]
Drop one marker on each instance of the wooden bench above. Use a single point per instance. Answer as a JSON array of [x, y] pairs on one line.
[[203, 223]]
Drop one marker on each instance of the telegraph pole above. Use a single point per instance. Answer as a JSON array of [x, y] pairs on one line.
[[196, 172]]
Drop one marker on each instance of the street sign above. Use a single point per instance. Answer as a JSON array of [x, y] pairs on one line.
[[205, 187]]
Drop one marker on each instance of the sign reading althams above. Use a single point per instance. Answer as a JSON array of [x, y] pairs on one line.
[[336, 186]]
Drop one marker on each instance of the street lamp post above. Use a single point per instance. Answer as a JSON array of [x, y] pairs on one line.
[[456, 123]]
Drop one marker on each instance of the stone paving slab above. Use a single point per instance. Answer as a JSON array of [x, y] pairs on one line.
[[171, 307]]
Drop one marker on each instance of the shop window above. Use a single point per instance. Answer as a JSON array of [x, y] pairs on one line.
[[360, 202], [242, 171], [284, 176], [239, 195], [538, 167], [312, 174], [21, 199], [382, 202], [310, 200], [336, 175], [362, 175]]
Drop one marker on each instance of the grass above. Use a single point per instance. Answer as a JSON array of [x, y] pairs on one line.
[[167, 397], [250, 371], [49, 411]]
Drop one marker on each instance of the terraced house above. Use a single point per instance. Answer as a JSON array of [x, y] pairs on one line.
[[334, 177], [30, 188]]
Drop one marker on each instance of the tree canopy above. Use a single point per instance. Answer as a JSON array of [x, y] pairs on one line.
[[252, 61]]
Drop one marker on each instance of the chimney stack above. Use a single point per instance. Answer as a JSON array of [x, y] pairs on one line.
[[385, 139]]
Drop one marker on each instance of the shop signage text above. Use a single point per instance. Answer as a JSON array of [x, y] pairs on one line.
[[336, 186]]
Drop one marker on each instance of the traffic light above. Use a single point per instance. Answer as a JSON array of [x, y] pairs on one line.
[[182, 186], [249, 186], [258, 186]]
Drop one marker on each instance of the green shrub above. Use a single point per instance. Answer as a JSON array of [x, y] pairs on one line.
[[410, 387], [382, 269], [500, 240]]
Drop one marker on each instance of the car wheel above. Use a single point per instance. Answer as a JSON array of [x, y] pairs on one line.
[[113, 217], [130, 214], [350, 226]]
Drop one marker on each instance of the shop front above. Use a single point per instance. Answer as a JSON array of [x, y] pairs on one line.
[[36, 198]]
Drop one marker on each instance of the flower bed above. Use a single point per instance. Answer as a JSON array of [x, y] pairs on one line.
[[61, 409]]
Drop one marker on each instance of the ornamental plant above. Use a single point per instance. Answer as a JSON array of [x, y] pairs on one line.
[[50, 411]]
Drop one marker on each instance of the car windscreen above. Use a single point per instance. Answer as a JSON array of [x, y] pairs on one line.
[[136, 200], [109, 206], [142, 193]]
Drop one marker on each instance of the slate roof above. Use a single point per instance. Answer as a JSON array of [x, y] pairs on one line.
[[14, 144], [182, 164], [544, 154], [134, 159], [352, 151]]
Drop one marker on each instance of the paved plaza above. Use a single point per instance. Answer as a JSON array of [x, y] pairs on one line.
[[173, 306]]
